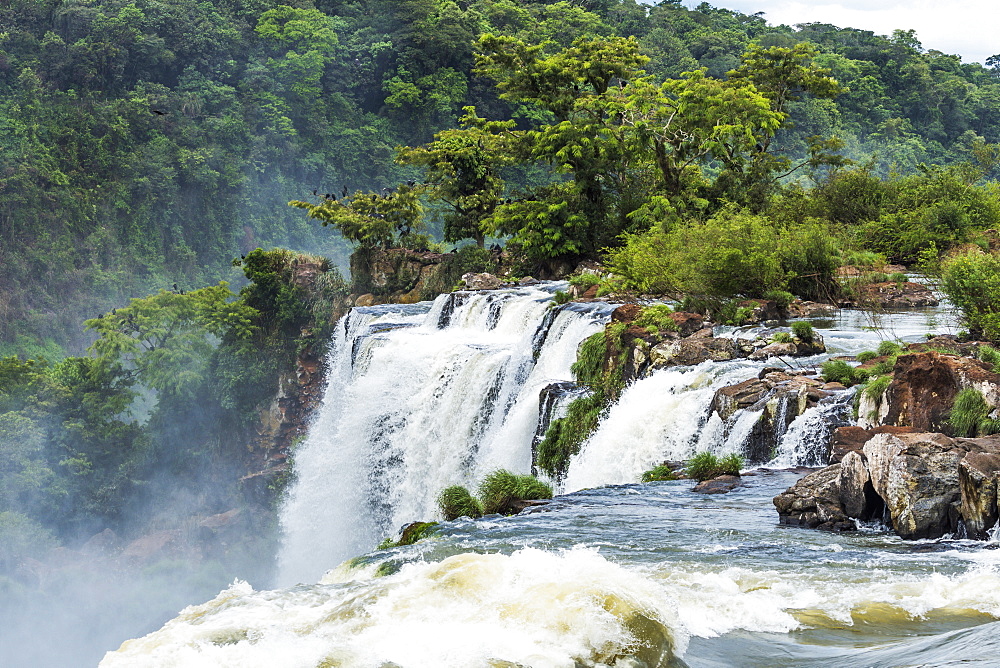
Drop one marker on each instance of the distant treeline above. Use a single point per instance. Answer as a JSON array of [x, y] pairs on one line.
[[147, 143]]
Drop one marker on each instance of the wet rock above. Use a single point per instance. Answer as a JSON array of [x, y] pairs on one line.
[[741, 396], [814, 502], [528, 280], [775, 350], [722, 484], [852, 438], [857, 494], [690, 351], [367, 299], [978, 474], [688, 323], [761, 310], [626, 313], [154, 547], [481, 281], [916, 475]]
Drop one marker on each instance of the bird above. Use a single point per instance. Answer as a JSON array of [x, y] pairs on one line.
[[175, 287], [343, 193], [411, 183], [158, 112], [314, 193]]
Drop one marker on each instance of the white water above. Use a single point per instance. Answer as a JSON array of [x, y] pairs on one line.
[[413, 408]]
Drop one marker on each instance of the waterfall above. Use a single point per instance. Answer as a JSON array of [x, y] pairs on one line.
[[807, 439], [419, 398]]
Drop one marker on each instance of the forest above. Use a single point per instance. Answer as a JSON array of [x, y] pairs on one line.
[[151, 148]]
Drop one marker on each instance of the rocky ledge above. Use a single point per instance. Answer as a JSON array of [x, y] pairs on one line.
[[923, 484]]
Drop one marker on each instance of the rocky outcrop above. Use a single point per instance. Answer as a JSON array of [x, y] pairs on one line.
[[924, 484], [722, 484], [397, 275], [893, 295], [806, 309], [814, 502], [475, 281], [923, 390]]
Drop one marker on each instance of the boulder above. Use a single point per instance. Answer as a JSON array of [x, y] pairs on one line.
[[690, 351], [805, 309], [894, 295], [722, 484], [916, 475], [688, 323], [852, 438], [814, 502], [626, 313], [475, 281], [774, 350], [761, 310], [977, 478]]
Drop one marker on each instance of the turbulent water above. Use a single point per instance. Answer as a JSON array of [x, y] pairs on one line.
[[612, 572]]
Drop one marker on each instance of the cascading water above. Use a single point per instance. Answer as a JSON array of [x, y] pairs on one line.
[[422, 398]]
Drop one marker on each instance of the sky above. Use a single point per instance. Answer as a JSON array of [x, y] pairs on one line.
[[969, 28]]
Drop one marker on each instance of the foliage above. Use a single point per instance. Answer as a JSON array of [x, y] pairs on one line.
[[839, 371], [411, 534], [970, 415], [971, 279], [659, 473], [876, 386], [888, 348], [584, 280], [781, 298], [371, 220], [990, 355], [781, 337], [561, 297], [705, 466], [566, 435], [866, 356], [656, 317], [456, 501], [803, 330]]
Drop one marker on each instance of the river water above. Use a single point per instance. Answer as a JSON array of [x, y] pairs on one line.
[[612, 572]]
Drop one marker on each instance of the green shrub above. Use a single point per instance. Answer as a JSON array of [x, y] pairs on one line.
[[803, 331], [781, 337], [781, 298], [839, 371], [456, 501], [660, 473], [411, 534], [584, 280], [885, 366], [969, 415], [866, 356], [972, 282], [501, 487], [705, 466], [658, 317], [561, 297], [889, 348]]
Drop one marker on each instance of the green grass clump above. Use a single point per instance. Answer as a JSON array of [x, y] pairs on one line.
[[866, 356], [500, 488], [885, 366], [456, 501], [803, 330], [411, 534], [887, 348], [970, 415], [658, 473], [656, 316], [565, 435], [876, 386], [839, 371], [705, 466], [898, 277], [781, 337], [990, 355]]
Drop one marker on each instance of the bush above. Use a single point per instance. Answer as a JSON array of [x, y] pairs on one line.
[[658, 317], [781, 337], [885, 366], [866, 356], [839, 371], [970, 415], [972, 282], [561, 297], [897, 278], [990, 355], [875, 387], [887, 348], [584, 280], [781, 298], [660, 473], [456, 501], [565, 435], [500, 488], [705, 466], [803, 331]]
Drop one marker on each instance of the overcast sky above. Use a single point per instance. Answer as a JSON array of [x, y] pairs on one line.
[[969, 28]]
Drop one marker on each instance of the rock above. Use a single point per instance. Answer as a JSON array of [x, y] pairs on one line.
[[690, 351], [977, 478], [626, 313], [857, 494], [729, 399], [916, 475], [481, 281], [722, 484], [367, 299], [703, 333], [103, 543], [923, 391], [853, 438], [804, 309], [761, 310], [814, 502], [894, 295], [153, 547], [688, 323], [775, 350]]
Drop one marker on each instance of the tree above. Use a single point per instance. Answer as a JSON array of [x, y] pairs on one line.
[[373, 220], [462, 171]]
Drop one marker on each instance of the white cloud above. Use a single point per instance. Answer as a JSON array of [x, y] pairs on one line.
[[968, 28]]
